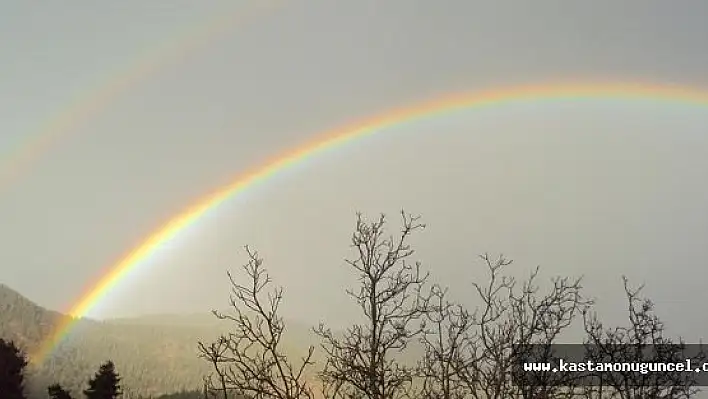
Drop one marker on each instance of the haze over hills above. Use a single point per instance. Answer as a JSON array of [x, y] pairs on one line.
[[22, 320], [154, 354]]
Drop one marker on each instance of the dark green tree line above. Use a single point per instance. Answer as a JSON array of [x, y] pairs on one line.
[[12, 366], [104, 384], [56, 391]]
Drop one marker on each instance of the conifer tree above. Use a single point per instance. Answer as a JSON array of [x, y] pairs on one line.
[[12, 366], [104, 384], [56, 391]]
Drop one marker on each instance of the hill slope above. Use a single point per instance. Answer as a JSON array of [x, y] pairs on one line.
[[23, 321], [154, 355]]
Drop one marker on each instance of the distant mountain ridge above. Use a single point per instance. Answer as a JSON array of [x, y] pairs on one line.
[[23, 321], [204, 319], [154, 354]]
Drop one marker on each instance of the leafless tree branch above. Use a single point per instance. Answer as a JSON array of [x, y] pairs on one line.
[[361, 362], [249, 361]]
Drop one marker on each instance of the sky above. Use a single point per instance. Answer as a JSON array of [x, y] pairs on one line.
[[172, 105]]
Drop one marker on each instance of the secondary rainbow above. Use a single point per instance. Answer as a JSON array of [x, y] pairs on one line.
[[338, 137], [91, 101]]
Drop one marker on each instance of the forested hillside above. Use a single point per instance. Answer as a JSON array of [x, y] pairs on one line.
[[153, 356], [22, 320], [414, 342]]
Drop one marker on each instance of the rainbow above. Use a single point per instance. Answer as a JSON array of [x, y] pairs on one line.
[[90, 103], [338, 137]]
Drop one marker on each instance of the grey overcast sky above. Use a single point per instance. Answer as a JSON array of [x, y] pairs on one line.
[[598, 187]]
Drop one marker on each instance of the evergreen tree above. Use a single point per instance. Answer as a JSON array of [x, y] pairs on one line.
[[104, 385], [12, 366], [57, 392]]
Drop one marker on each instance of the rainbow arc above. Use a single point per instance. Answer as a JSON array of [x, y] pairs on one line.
[[135, 257]]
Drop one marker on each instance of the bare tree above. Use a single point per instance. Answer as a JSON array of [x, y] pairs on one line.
[[643, 340], [466, 354], [361, 362], [249, 361], [511, 321], [444, 340]]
